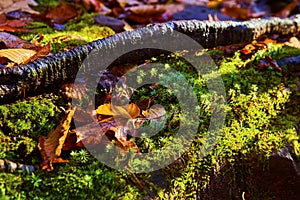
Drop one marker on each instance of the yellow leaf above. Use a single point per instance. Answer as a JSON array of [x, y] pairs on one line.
[[50, 147], [130, 112], [18, 56], [104, 109], [134, 110]]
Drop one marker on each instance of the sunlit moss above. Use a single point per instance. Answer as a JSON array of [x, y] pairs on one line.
[[76, 33]]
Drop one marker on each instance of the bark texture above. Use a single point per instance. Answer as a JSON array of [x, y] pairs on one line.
[[50, 72]]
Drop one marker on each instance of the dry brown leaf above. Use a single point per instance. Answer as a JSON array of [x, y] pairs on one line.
[[71, 142], [144, 103], [133, 110], [12, 41], [238, 12], [285, 12], [144, 14], [125, 3], [9, 28], [18, 56], [96, 5], [127, 145], [92, 132], [147, 10], [293, 42], [50, 147], [62, 13], [13, 25], [42, 52], [23, 5], [116, 24]]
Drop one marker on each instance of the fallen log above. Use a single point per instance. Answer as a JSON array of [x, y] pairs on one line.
[[48, 73]]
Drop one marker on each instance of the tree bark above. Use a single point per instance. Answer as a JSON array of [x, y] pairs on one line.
[[50, 72]]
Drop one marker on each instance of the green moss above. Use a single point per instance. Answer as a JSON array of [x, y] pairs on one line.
[[79, 31], [48, 3], [261, 109], [21, 125]]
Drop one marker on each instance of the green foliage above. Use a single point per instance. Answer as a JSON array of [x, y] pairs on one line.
[[260, 114], [21, 124], [78, 32], [87, 180], [31, 118]]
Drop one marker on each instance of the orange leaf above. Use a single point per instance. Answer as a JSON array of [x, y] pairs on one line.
[[104, 109], [10, 28], [18, 56], [134, 110], [130, 112], [147, 10], [42, 52], [50, 147], [285, 12], [62, 13]]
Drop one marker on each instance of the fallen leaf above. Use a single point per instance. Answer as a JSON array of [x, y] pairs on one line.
[[127, 3], [42, 52], [156, 112], [50, 147], [145, 13], [293, 42], [147, 10], [23, 5], [144, 103], [9, 28], [97, 6], [84, 116], [71, 142], [255, 46], [62, 13], [104, 109], [94, 130], [238, 12], [13, 25], [128, 112], [267, 63], [12, 41], [18, 56], [285, 12], [3, 19], [126, 145], [133, 110]]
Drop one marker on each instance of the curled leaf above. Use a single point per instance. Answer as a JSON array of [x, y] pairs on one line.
[[42, 52], [131, 111], [50, 147]]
